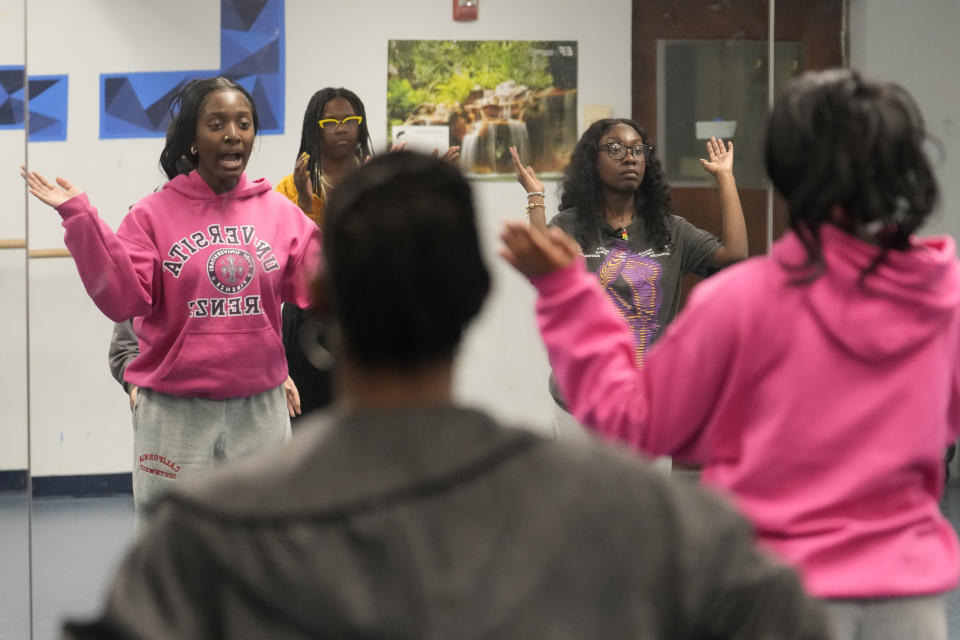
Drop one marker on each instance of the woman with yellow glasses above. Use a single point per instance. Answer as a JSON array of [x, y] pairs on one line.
[[333, 142]]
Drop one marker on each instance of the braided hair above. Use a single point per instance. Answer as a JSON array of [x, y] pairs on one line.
[[310, 139]]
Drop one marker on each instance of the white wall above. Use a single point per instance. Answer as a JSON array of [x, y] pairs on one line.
[[13, 313], [80, 418], [916, 45]]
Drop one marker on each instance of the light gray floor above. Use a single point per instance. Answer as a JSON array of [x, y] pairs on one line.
[[77, 545], [79, 542], [14, 601]]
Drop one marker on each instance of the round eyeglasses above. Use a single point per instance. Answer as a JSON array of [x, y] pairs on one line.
[[618, 150], [350, 122]]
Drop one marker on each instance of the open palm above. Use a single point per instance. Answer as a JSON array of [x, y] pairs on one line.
[[47, 192], [721, 158], [526, 176]]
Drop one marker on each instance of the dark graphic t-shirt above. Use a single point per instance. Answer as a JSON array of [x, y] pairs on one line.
[[642, 281]]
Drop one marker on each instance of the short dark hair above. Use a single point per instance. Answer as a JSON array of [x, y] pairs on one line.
[[310, 132], [404, 270], [581, 189], [185, 109], [836, 139]]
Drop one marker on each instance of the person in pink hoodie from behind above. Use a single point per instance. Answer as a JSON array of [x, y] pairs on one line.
[[202, 266], [818, 385]]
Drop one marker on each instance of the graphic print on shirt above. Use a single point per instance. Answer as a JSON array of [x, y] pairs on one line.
[[229, 269], [632, 281]]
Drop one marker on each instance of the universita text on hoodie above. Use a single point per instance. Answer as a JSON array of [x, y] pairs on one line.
[[203, 275]]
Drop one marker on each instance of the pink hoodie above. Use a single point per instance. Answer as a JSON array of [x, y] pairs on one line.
[[203, 276], [823, 410]]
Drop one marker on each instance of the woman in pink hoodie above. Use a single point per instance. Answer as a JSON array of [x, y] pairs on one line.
[[202, 266], [817, 385]]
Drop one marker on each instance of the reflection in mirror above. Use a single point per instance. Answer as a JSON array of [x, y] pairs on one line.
[[14, 502], [80, 418], [718, 88]]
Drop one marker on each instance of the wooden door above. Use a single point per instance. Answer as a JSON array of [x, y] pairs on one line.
[[818, 27]]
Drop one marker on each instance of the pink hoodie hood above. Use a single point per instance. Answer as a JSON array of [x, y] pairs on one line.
[[906, 299]]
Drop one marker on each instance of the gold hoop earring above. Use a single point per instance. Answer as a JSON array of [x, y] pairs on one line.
[[193, 150]]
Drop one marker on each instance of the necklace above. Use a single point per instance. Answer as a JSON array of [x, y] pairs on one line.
[[325, 187]]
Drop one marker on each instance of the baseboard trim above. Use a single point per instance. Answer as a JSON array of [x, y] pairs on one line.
[[14, 480], [83, 486]]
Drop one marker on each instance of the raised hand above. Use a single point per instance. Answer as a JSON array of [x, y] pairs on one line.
[[301, 179], [526, 176], [721, 159], [47, 192], [533, 252], [451, 155]]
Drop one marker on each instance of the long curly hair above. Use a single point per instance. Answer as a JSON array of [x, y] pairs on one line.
[[837, 140], [310, 140], [581, 188]]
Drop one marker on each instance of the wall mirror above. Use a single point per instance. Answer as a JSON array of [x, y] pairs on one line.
[[97, 98]]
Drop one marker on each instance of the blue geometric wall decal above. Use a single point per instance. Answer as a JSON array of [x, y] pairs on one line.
[[48, 104], [11, 79], [48, 108], [137, 105], [241, 16], [267, 118], [265, 58], [40, 125], [11, 97], [252, 45]]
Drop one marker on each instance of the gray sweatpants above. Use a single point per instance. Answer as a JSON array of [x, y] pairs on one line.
[[920, 618], [174, 437]]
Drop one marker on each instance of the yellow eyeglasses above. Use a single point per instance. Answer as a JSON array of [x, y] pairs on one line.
[[350, 122]]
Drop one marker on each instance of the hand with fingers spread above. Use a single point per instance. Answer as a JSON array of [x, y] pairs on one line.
[[721, 158], [451, 155], [535, 253], [526, 176], [301, 178], [47, 192]]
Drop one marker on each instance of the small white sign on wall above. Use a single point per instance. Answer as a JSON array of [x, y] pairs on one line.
[[707, 129], [425, 138]]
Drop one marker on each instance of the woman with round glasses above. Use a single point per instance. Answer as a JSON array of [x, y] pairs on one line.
[[614, 201]]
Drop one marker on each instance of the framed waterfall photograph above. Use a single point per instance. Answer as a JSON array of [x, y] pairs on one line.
[[489, 95]]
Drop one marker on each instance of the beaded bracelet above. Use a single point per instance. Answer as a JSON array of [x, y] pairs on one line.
[[534, 205], [536, 193]]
